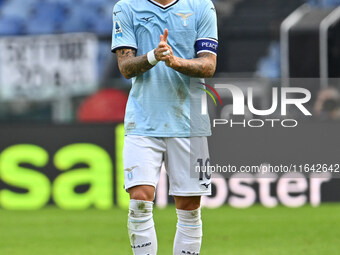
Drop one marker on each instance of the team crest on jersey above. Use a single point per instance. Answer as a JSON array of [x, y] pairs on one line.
[[118, 29], [184, 17]]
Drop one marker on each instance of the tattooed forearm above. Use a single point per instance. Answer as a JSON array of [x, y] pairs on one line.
[[202, 67], [130, 65]]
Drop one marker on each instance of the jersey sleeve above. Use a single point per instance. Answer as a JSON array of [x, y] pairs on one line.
[[123, 35], [207, 33]]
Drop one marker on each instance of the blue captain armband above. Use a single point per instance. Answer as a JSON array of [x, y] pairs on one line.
[[206, 45]]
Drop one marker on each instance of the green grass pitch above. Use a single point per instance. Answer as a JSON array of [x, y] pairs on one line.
[[229, 231]]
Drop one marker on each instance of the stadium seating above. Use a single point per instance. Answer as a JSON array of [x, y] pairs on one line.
[[17, 9], [11, 26], [41, 26], [57, 16], [89, 17], [102, 26], [55, 12]]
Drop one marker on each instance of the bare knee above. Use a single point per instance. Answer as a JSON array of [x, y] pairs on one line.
[[143, 192], [188, 203]]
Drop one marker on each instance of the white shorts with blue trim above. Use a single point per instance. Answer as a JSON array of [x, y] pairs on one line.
[[143, 157]]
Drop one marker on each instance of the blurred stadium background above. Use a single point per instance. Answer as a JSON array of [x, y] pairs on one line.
[[62, 103]]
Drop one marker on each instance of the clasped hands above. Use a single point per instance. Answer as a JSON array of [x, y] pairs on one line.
[[164, 52]]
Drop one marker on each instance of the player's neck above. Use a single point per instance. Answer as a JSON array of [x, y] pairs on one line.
[[164, 2]]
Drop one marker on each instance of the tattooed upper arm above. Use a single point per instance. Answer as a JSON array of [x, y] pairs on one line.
[[212, 57], [210, 63], [123, 54]]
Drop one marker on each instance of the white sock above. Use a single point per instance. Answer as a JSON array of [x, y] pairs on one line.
[[142, 228], [188, 237]]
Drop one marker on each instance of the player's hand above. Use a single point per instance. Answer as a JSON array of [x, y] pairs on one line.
[[164, 51], [161, 50], [170, 59]]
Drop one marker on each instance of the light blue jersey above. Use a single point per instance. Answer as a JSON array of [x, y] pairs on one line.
[[160, 101]]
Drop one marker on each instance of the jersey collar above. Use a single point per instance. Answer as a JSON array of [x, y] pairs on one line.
[[163, 6]]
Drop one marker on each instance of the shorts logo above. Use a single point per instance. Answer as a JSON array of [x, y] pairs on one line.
[[118, 29], [206, 185], [184, 17], [129, 170]]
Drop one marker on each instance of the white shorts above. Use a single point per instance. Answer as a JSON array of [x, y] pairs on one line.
[[143, 157]]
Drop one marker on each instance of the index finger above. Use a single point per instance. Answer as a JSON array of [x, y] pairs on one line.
[[165, 36]]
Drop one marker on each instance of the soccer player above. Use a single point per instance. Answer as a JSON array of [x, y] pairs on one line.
[[161, 45]]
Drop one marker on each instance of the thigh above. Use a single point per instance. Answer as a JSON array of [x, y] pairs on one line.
[[142, 159], [184, 156]]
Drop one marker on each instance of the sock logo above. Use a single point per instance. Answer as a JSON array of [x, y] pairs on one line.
[[192, 253], [142, 246]]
